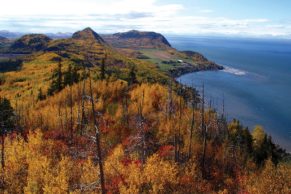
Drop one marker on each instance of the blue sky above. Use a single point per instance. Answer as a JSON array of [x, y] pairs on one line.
[[255, 18]]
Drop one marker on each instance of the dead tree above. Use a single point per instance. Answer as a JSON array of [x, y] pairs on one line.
[[103, 66], [204, 131], [193, 103], [178, 133], [60, 116], [83, 122], [141, 129], [169, 116], [97, 137], [71, 113], [125, 113], [170, 103]]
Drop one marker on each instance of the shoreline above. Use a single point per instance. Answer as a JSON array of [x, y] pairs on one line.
[[200, 63], [189, 68], [278, 140]]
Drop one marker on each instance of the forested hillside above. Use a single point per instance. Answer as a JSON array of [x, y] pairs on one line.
[[80, 116]]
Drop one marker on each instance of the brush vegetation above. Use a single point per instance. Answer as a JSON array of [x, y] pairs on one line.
[[82, 116]]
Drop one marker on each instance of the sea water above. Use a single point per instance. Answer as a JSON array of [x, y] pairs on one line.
[[255, 84]]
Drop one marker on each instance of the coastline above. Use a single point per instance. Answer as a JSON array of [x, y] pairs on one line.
[[198, 63], [185, 70], [189, 68]]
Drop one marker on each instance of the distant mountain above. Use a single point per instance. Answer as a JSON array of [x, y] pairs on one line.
[[3, 40], [10, 35], [30, 43], [134, 34], [154, 47], [137, 39], [3, 43], [88, 34], [150, 51], [80, 42], [59, 35], [15, 35], [84, 48]]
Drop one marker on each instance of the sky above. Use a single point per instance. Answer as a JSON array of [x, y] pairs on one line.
[[251, 18]]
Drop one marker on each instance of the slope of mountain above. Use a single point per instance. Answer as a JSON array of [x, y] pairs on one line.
[[80, 42], [85, 48], [154, 47], [129, 122], [137, 39], [3, 41], [30, 43], [88, 34], [149, 47]]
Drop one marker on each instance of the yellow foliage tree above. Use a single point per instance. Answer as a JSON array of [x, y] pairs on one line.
[[258, 136], [56, 180], [15, 169], [272, 179], [89, 181], [160, 174]]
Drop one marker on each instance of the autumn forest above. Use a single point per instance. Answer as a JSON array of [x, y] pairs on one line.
[[84, 115]]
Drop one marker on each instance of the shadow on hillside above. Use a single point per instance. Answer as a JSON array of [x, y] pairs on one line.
[[10, 63]]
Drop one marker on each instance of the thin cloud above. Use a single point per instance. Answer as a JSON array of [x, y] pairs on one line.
[[114, 16], [206, 11]]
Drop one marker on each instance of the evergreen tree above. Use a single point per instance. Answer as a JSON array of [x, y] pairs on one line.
[[2, 79], [57, 80], [7, 123], [132, 75], [71, 76], [103, 67], [40, 95], [68, 76], [75, 75], [7, 116]]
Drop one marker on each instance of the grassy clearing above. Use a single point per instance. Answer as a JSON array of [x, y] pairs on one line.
[[165, 59]]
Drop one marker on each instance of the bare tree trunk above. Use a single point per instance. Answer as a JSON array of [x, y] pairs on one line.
[[3, 151], [142, 131], [79, 109], [169, 118], [83, 106], [103, 66], [170, 109], [204, 132], [60, 116], [66, 120], [204, 154], [126, 110], [71, 113], [178, 140], [125, 115], [3, 158], [191, 128], [97, 136]]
